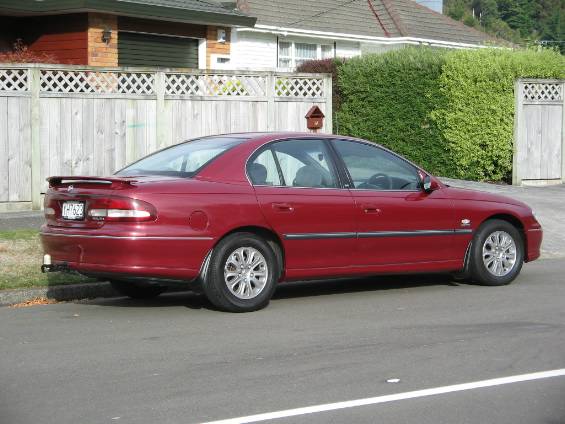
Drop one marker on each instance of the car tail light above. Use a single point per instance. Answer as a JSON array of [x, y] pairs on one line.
[[122, 209]]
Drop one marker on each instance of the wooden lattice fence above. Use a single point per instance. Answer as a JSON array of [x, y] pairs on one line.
[[74, 120]]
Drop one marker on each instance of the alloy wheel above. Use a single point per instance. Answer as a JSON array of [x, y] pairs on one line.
[[246, 272]]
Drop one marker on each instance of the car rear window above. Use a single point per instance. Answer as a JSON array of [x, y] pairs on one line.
[[183, 160]]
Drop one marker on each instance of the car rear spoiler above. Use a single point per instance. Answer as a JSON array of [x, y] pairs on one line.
[[111, 181]]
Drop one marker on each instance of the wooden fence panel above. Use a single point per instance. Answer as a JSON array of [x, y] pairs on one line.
[[94, 121], [539, 132], [19, 149], [4, 151]]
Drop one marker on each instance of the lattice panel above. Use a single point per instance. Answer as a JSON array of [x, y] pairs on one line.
[[542, 92], [215, 85], [299, 87], [14, 80], [59, 81]]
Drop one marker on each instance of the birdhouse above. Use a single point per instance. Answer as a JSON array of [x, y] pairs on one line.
[[315, 119]]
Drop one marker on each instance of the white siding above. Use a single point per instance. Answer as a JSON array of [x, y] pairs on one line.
[[369, 48], [253, 50], [348, 49]]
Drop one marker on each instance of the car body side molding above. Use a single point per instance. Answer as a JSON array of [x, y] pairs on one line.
[[373, 234]]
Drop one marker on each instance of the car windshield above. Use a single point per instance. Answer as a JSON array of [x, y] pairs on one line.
[[183, 160]]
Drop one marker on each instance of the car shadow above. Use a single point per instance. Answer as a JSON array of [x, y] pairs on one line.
[[291, 290], [355, 285]]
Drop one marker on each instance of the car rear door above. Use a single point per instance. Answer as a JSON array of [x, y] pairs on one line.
[[397, 222], [301, 197]]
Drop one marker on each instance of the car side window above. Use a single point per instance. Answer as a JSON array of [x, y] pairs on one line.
[[293, 163], [373, 168], [305, 163], [263, 170]]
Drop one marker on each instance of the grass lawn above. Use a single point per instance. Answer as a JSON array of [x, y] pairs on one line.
[[21, 256]]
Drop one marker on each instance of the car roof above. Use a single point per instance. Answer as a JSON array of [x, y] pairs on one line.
[[274, 135]]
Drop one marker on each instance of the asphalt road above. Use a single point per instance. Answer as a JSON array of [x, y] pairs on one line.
[[174, 360]]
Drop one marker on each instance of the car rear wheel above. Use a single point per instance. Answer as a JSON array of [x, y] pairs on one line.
[[137, 290], [243, 273], [497, 253]]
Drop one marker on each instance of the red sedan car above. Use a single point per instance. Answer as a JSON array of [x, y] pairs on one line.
[[235, 214]]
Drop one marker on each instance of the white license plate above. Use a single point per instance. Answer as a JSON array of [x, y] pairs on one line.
[[73, 211]]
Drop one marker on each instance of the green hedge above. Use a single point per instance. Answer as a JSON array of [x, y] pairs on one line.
[[476, 118], [451, 111]]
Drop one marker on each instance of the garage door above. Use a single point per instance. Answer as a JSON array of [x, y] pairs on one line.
[[157, 50]]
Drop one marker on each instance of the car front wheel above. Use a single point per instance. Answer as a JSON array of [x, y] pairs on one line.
[[497, 253], [243, 273]]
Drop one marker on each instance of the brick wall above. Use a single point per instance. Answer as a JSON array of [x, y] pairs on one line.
[[62, 37], [100, 53], [212, 45]]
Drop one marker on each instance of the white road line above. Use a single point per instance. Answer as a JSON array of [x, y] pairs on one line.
[[392, 398]]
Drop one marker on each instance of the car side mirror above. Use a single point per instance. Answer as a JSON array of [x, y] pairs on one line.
[[429, 184]]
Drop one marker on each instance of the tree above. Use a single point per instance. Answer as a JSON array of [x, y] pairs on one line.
[[519, 21]]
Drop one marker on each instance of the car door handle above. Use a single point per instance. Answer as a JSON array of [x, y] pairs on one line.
[[283, 207], [370, 209]]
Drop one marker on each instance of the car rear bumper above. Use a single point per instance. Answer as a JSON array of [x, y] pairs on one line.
[[132, 256], [534, 237]]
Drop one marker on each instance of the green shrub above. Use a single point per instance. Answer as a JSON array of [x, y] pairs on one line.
[[476, 116], [387, 98], [450, 111]]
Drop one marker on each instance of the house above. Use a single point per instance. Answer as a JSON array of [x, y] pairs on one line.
[[209, 34], [289, 32], [167, 33]]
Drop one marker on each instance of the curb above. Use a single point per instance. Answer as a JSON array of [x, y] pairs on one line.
[[60, 293]]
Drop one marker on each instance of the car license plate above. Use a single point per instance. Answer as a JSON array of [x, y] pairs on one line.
[[73, 211]]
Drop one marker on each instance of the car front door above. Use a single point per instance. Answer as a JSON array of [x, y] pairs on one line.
[[398, 223], [301, 197]]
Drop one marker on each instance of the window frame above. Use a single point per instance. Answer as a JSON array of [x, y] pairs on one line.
[[349, 184], [292, 58], [331, 160]]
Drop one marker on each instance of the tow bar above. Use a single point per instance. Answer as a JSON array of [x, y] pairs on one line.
[[48, 266]]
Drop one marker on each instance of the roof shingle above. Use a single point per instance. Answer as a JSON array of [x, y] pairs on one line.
[[396, 18]]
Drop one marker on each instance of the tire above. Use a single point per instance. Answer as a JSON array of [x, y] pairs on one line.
[[137, 290], [497, 253], [232, 288]]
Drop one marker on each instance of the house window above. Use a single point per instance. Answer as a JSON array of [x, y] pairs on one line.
[[292, 55], [285, 55], [327, 51], [304, 52]]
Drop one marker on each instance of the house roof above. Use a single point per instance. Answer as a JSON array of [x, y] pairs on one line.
[[376, 18], [419, 21], [353, 18], [190, 11]]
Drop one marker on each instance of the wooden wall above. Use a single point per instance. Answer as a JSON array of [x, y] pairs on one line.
[[214, 47]]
